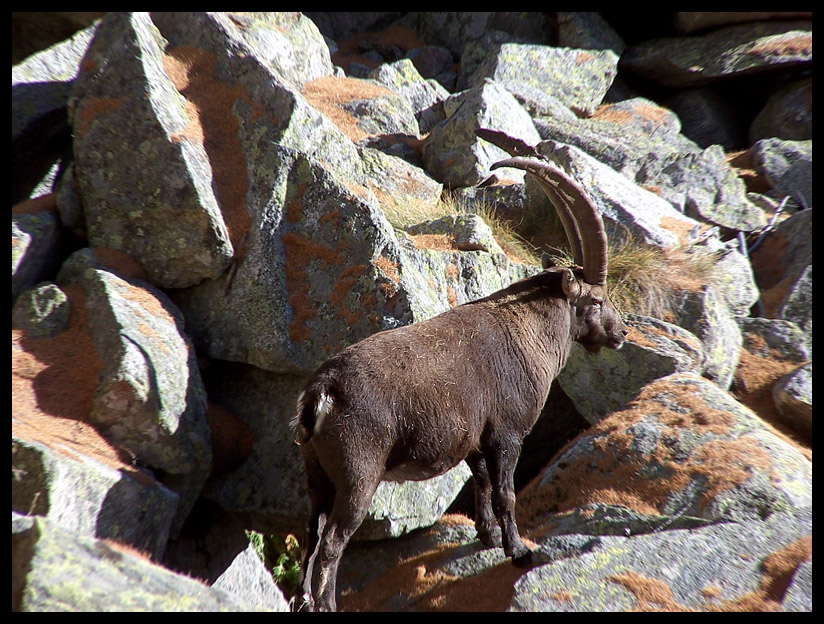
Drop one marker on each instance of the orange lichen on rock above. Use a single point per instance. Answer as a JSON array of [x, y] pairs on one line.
[[612, 475], [759, 368], [327, 95], [90, 109], [652, 594], [799, 45], [777, 571], [212, 123]]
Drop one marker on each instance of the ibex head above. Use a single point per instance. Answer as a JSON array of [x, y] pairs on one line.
[[600, 323]]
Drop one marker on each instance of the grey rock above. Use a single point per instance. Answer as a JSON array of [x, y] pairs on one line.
[[787, 114], [394, 180], [149, 397], [163, 212], [424, 96], [641, 140], [249, 580], [706, 314], [683, 447], [764, 335], [654, 349], [588, 30], [56, 570], [309, 283], [87, 497], [708, 118], [733, 278], [455, 29], [430, 60], [578, 78], [42, 311], [455, 156], [793, 396], [624, 206], [787, 167], [722, 54], [35, 239], [671, 571]]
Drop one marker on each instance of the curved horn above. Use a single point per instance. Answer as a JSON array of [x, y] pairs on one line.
[[586, 229]]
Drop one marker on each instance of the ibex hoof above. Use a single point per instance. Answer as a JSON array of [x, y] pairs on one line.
[[523, 559]]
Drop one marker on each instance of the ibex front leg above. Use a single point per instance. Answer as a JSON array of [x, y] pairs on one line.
[[501, 458], [485, 523]]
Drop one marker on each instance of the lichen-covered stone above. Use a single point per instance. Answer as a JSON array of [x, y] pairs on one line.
[[579, 78], [722, 54], [793, 396], [158, 205], [87, 497], [57, 570], [453, 153], [787, 167], [682, 447], [41, 311], [149, 397], [653, 349]]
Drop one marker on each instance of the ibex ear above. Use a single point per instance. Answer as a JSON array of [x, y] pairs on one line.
[[546, 261], [571, 285]]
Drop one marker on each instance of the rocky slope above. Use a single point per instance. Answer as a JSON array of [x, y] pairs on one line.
[[205, 206]]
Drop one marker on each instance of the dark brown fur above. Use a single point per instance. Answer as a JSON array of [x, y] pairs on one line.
[[411, 403]]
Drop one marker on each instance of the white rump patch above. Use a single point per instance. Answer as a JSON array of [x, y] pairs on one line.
[[324, 406]]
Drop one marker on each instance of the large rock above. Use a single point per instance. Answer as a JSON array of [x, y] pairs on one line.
[[725, 53], [642, 141], [755, 565], [310, 282], [787, 114], [787, 167], [159, 205], [625, 207], [578, 78], [35, 240], [653, 349], [56, 570], [453, 153], [287, 43], [682, 448], [88, 497], [149, 396]]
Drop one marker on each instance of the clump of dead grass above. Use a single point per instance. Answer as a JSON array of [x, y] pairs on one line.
[[651, 281]]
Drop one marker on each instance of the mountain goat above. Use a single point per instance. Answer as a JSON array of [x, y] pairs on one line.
[[411, 403]]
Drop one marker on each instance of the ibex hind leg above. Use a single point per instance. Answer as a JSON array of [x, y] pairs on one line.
[[321, 496], [485, 523], [501, 459], [346, 516]]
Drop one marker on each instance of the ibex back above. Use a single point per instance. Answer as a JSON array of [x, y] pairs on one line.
[[411, 403]]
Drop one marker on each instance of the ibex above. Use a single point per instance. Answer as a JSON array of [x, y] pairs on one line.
[[410, 403]]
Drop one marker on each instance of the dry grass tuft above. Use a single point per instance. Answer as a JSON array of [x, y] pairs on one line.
[[648, 280]]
